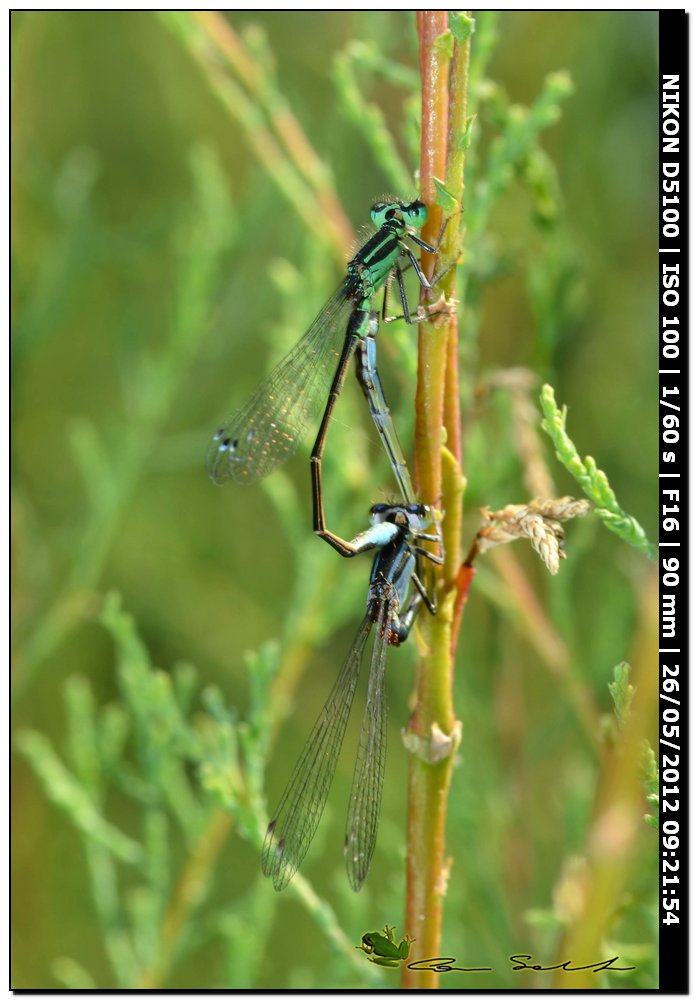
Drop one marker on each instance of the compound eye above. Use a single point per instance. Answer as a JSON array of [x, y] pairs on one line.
[[382, 211], [416, 213], [379, 513], [378, 211]]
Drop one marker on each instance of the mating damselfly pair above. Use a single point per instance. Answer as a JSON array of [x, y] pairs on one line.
[[261, 436]]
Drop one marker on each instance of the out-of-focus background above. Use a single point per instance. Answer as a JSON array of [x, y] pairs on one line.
[[167, 249]]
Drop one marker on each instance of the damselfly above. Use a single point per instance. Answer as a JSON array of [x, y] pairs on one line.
[[396, 592], [266, 431]]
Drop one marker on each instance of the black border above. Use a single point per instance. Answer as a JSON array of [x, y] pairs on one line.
[[673, 261]]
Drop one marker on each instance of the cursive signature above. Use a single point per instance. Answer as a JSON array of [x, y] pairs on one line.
[[443, 964], [567, 966]]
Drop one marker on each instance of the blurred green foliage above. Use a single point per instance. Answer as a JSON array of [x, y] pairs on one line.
[[159, 268]]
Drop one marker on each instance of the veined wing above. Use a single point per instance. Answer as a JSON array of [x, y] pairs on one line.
[[367, 783], [266, 431], [292, 828]]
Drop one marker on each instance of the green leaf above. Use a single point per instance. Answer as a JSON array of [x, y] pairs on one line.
[[443, 44], [444, 198], [461, 25], [621, 691]]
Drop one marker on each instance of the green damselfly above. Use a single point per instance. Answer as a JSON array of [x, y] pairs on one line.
[[265, 432], [396, 592]]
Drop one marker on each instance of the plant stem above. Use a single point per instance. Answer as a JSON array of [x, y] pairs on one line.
[[433, 729], [618, 815]]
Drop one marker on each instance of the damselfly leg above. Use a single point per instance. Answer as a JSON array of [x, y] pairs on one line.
[[363, 327]]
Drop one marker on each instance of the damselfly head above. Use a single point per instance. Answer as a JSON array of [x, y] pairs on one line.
[[412, 213], [413, 516]]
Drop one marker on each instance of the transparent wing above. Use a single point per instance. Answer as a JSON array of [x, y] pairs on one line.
[[367, 783], [267, 430], [295, 822]]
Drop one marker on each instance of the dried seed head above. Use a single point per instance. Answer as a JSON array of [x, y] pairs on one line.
[[540, 521]]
